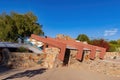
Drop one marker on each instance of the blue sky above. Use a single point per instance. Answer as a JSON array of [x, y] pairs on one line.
[[95, 18]]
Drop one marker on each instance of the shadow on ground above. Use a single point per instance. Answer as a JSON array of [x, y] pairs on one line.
[[27, 73], [4, 69]]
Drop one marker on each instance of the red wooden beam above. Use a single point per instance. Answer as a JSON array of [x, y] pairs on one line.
[[92, 48], [54, 43], [71, 44]]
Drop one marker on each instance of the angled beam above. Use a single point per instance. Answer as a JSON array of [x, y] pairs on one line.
[[60, 43], [54, 43], [72, 44]]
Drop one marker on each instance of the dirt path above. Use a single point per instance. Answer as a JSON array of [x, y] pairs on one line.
[[64, 73]]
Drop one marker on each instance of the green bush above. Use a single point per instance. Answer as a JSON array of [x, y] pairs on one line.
[[22, 49], [114, 47]]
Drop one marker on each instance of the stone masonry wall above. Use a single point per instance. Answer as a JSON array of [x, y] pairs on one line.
[[51, 59], [109, 66], [25, 60], [106, 67], [112, 55]]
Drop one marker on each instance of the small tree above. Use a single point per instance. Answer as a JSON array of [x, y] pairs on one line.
[[83, 37], [113, 42], [118, 41], [100, 43], [16, 24], [114, 46]]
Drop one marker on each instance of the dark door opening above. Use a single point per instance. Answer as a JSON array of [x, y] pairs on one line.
[[1, 58], [66, 57], [83, 54]]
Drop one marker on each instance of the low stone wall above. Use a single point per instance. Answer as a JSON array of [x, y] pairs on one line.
[[107, 67], [50, 60], [25, 60], [112, 55]]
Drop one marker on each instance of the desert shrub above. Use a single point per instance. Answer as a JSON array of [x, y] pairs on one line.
[[22, 49], [100, 43]]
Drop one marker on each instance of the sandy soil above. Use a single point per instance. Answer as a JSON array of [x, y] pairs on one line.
[[63, 73]]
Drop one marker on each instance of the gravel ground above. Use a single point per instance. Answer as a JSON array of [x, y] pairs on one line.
[[63, 73]]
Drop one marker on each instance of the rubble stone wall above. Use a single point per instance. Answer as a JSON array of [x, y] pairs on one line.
[[25, 60], [112, 55], [109, 66], [106, 67], [51, 59]]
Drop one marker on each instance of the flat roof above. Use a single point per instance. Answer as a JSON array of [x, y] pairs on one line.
[[9, 44]]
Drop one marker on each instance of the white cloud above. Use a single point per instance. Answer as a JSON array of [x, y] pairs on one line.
[[110, 32]]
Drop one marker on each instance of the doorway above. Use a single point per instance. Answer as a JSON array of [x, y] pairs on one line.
[[66, 57]]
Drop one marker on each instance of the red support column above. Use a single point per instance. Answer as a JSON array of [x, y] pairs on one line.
[[92, 53], [62, 53], [44, 46], [52, 42], [103, 51]]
